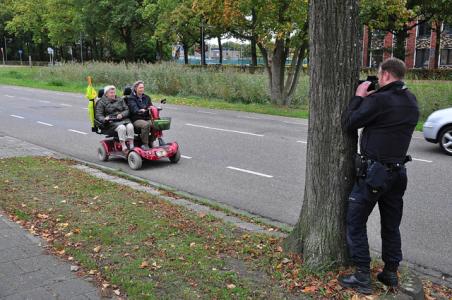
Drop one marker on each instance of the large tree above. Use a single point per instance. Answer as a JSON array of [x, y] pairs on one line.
[[278, 28], [334, 71]]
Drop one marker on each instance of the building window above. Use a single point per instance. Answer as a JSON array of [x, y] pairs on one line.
[[422, 56], [446, 57], [447, 28], [424, 30]]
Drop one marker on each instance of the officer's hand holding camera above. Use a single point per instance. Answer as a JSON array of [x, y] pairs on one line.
[[362, 91]]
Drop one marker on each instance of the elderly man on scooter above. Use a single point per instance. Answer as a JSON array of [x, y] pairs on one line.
[[113, 112]]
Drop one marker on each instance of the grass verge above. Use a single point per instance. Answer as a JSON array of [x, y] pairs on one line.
[[31, 77], [139, 246]]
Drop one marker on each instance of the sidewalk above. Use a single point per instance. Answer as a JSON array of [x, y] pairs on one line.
[[26, 271]]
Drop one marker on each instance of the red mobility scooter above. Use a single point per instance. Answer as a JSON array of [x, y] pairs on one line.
[[111, 147]]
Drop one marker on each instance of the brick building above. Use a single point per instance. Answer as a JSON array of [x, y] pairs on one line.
[[419, 47]]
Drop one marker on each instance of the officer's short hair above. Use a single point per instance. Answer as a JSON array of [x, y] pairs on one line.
[[395, 66]]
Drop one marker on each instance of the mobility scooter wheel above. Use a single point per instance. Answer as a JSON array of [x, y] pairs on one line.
[[102, 154], [135, 160], [175, 158]]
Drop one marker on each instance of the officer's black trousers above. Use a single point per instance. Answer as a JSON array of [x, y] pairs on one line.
[[361, 203]]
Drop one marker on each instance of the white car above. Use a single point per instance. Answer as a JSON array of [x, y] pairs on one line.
[[438, 129]]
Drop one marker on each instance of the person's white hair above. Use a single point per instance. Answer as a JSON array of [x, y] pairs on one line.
[[109, 87]]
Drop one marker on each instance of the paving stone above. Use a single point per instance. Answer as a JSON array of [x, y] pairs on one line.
[[72, 288], [9, 269], [34, 294]]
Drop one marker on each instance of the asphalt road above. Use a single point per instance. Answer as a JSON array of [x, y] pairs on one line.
[[249, 161]]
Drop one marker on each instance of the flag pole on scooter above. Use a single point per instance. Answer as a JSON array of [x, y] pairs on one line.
[[91, 95]]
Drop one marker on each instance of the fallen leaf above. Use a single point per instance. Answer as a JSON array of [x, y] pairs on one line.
[[92, 272], [70, 258], [62, 252], [309, 289], [97, 249], [279, 249], [55, 187], [144, 264], [202, 214], [43, 216], [76, 230], [68, 234], [192, 245], [117, 292], [95, 198], [231, 286], [285, 260]]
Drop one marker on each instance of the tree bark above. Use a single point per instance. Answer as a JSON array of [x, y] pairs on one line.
[[437, 45], [253, 52], [399, 50], [334, 70], [126, 34], [278, 68], [220, 48], [185, 52]]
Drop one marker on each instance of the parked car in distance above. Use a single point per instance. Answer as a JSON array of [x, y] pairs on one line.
[[438, 129]]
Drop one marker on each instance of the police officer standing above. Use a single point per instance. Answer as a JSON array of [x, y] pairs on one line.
[[388, 116]]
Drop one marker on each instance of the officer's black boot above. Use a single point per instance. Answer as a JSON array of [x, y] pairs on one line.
[[360, 280], [389, 276]]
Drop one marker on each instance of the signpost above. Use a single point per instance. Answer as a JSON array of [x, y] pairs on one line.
[[20, 55], [3, 55], [50, 52]]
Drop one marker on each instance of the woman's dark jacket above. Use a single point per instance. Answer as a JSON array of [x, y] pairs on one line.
[[136, 103]]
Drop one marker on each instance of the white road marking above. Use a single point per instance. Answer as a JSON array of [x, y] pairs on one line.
[[173, 108], [225, 130], [44, 101], [186, 157], [18, 117], [423, 160], [247, 117], [9, 96], [206, 112], [250, 172], [64, 104], [76, 131], [85, 108], [303, 142], [43, 123], [294, 123]]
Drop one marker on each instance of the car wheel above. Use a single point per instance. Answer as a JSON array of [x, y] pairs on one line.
[[102, 154], [135, 160], [175, 158], [445, 140]]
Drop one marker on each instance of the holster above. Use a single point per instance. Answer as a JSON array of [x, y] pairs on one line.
[[360, 166]]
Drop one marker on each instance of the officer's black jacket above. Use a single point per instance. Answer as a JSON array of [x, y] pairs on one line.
[[389, 117]]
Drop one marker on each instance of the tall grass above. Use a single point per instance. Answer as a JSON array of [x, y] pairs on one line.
[[177, 80]]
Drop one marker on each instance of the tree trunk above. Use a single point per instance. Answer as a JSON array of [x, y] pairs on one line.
[[437, 45], [399, 50], [253, 51], [278, 67], [126, 34], [220, 48], [185, 53], [334, 71]]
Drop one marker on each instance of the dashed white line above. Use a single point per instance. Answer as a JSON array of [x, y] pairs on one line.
[[224, 130], [250, 172], [44, 101], [423, 160], [186, 157], [9, 96], [64, 104], [18, 117], [248, 117], [85, 108], [76, 131], [303, 142], [207, 112], [294, 123], [44, 123]]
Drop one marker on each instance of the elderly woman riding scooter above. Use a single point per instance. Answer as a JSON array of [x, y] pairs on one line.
[[113, 112]]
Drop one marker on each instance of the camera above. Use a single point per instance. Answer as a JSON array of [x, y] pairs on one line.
[[373, 84]]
